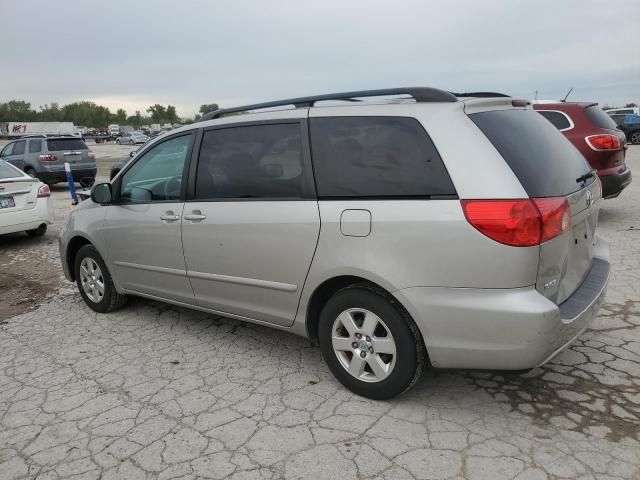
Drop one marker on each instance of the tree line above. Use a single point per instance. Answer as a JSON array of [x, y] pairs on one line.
[[90, 114]]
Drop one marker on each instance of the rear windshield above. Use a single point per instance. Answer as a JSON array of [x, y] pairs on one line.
[[544, 161], [599, 118], [9, 171], [59, 144]]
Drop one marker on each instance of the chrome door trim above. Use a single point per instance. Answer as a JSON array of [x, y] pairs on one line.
[[252, 282], [152, 268]]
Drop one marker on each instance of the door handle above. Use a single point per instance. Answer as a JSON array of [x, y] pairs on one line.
[[169, 217], [194, 217]]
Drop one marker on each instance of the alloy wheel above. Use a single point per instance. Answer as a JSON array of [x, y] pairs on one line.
[[92, 279], [363, 344]]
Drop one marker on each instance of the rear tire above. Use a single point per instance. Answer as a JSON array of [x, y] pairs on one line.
[[95, 283], [38, 232], [370, 343], [132, 143], [118, 142], [635, 137], [30, 171]]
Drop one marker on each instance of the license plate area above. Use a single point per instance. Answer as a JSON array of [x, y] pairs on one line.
[[7, 202]]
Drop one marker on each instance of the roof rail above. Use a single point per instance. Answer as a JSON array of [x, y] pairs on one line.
[[420, 94], [480, 94]]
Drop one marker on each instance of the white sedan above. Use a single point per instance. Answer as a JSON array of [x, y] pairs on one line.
[[24, 202]]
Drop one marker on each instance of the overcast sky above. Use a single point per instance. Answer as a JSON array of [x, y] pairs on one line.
[[187, 52]]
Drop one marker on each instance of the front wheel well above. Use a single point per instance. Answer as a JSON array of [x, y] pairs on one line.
[[75, 244]]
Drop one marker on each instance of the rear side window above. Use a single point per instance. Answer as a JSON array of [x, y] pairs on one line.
[[557, 119], [60, 144], [256, 161], [544, 161], [376, 157], [600, 119], [18, 148], [35, 146]]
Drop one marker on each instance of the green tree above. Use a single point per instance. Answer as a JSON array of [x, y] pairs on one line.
[[120, 116], [158, 112], [630, 105], [208, 107], [17, 111], [50, 113], [87, 113], [172, 116], [136, 120]]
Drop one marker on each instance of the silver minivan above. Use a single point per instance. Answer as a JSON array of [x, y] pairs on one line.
[[399, 228]]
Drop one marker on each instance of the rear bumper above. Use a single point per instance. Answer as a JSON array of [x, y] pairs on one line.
[[11, 222], [614, 183], [504, 329], [61, 176]]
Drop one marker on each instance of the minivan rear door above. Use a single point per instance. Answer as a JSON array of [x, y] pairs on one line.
[[548, 165], [251, 225]]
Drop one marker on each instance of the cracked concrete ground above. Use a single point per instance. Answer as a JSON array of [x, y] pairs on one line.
[[154, 391]]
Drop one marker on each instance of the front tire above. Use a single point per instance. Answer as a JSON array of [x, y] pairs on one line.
[[118, 142], [132, 143], [370, 343], [38, 232], [635, 137], [95, 283]]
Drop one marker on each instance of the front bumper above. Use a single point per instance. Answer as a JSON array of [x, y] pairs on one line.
[[504, 329], [614, 183]]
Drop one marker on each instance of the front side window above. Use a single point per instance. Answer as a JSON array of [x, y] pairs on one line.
[[557, 119], [35, 146], [376, 157], [257, 161], [157, 174], [18, 148]]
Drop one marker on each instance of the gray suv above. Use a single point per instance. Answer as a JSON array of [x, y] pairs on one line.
[[44, 158], [421, 228]]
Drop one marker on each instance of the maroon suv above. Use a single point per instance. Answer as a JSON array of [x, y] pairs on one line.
[[597, 137]]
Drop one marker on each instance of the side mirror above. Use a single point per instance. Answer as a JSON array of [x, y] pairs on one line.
[[132, 153], [101, 193]]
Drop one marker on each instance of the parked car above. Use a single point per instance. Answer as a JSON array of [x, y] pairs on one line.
[[119, 165], [132, 138], [623, 111], [630, 125], [24, 202], [596, 136], [457, 231], [44, 158]]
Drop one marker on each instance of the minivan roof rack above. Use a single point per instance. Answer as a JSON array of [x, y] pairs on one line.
[[480, 94], [420, 94]]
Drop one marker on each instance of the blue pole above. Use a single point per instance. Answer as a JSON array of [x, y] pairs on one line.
[[72, 186]]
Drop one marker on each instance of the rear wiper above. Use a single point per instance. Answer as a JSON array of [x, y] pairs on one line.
[[585, 177]]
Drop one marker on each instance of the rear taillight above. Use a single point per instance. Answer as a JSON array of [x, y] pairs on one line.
[[91, 156], [604, 142], [44, 191], [48, 157], [521, 222]]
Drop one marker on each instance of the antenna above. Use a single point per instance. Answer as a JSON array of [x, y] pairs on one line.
[[568, 93], [536, 96]]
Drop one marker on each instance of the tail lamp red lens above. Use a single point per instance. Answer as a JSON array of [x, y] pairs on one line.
[[91, 156], [520, 222], [48, 157], [604, 142], [44, 191]]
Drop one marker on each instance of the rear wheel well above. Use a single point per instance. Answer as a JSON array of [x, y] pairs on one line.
[[324, 292], [75, 244]]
